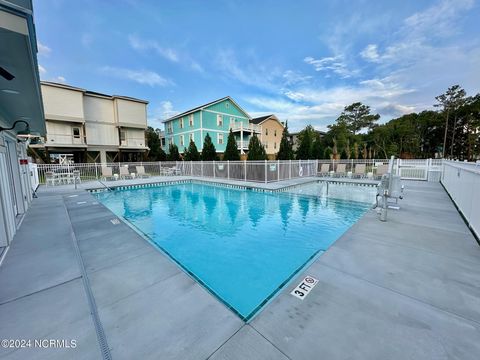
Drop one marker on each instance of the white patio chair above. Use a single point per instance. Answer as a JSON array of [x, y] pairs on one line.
[[124, 174], [141, 172], [324, 169], [381, 169], [341, 170], [107, 174], [50, 178], [359, 170]]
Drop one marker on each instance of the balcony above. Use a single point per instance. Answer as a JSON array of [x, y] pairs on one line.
[[133, 143], [62, 140], [241, 127], [242, 145]]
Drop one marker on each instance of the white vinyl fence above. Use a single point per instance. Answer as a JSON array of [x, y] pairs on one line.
[[254, 171], [462, 182]]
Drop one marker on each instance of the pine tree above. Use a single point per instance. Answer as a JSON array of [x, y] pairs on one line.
[[192, 154], [285, 151], [209, 153], [305, 137], [231, 151], [173, 154], [256, 151]]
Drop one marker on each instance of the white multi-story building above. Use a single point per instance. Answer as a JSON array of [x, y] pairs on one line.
[[93, 127], [20, 111]]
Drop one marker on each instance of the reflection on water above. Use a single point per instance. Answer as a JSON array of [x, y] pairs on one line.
[[242, 244]]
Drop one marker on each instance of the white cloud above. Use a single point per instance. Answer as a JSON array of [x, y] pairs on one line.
[[146, 77], [41, 69], [164, 111], [335, 64], [256, 73], [58, 79], [196, 66], [292, 77], [437, 20], [167, 111], [43, 50], [321, 107], [370, 53], [142, 44]]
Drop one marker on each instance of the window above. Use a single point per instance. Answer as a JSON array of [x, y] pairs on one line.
[[232, 121], [266, 132], [227, 104], [275, 132], [169, 127], [123, 136], [220, 138], [274, 145], [190, 120], [191, 137], [76, 132], [170, 141], [181, 123], [219, 120], [182, 140], [266, 144]]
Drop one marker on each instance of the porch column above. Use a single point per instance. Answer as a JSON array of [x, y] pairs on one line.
[[103, 156]]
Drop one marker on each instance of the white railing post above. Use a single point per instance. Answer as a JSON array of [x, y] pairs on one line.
[[201, 165], [214, 169], [228, 169], [278, 170], [429, 166], [290, 170], [245, 169], [159, 168], [265, 171], [96, 171]]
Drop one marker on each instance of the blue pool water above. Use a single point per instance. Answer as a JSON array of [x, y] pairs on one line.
[[240, 244]]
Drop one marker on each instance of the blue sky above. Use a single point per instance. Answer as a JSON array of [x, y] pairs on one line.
[[302, 60]]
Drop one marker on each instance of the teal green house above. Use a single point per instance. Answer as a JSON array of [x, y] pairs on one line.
[[215, 118]]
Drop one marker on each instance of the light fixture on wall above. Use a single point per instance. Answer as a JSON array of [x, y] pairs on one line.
[[22, 134]]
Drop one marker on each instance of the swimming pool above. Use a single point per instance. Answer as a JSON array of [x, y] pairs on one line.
[[242, 245]]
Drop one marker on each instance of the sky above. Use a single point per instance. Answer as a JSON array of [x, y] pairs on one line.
[[303, 61]]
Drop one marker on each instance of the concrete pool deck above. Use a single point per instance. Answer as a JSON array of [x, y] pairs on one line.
[[405, 289]]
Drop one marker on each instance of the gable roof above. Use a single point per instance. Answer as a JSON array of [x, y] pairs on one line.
[[201, 107], [261, 119]]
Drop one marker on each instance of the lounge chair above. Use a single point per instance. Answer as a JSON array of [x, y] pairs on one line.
[[166, 171], [124, 174], [381, 170], [359, 170], [50, 178], [141, 172], [341, 170], [324, 169], [107, 174]]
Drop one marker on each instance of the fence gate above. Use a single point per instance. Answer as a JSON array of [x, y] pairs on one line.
[[413, 169]]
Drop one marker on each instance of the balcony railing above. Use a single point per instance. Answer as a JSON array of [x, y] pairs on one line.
[[133, 142], [252, 128], [243, 145], [64, 139]]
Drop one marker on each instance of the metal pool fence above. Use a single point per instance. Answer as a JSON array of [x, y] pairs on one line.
[[254, 171], [462, 182]]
